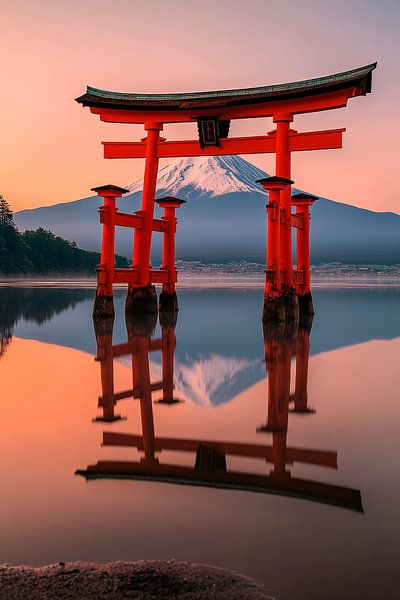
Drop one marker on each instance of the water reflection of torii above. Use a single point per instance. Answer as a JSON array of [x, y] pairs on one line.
[[210, 467]]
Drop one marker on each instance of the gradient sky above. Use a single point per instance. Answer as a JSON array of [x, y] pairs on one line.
[[50, 147]]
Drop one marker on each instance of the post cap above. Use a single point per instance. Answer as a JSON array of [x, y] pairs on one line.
[[274, 182], [303, 198], [170, 202], [114, 190]]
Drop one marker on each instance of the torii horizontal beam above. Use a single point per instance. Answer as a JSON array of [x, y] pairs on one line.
[[310, 140], [166, 473], [306, 104], [324, 458]]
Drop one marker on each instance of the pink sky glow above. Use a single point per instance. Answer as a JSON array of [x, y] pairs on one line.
[[50, 147]]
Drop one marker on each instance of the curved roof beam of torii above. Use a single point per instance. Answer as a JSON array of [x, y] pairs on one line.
[[356, 81]]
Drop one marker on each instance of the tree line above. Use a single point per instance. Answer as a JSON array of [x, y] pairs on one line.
[[41, 252]]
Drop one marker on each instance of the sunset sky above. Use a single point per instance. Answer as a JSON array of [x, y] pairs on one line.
[[50, 147]]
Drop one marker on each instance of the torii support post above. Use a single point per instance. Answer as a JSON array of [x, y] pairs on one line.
[[142, 297], [283, 159], [104, 305], [168, 297], [275, 295], [302, 202]]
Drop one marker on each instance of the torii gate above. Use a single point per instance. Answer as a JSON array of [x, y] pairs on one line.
[[213, 112]]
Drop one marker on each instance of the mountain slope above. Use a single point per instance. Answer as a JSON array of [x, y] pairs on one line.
[[224, 218]]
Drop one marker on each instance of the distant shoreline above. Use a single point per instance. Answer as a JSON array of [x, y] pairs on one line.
[[205, 281]]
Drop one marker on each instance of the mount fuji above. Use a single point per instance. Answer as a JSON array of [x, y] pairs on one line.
[[224, 218]]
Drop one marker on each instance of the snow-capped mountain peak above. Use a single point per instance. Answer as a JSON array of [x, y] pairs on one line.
[[208, 175]]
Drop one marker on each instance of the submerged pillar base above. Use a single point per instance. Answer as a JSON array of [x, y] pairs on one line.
[[291, 305], [141, 325], [141, 301], [306, 306], [274, 309], [169, 302], [283, 308], [103, 307]]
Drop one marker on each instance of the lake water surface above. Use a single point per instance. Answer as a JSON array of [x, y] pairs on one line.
[[275, 453]]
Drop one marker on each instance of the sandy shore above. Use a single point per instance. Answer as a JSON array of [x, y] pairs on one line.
[[161, 580]]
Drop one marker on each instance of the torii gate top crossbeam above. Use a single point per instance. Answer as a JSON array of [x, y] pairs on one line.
[[348, 84]]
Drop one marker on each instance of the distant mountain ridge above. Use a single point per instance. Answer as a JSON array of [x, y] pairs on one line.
[[224, 218]]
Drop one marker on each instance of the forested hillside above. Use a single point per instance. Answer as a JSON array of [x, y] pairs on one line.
[[40, 251]]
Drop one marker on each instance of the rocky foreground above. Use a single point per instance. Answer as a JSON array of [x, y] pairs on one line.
[[164, 580]]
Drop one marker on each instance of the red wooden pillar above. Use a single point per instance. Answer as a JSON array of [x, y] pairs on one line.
[[142, 296], [274, 298], [283, 170], [302, 202], [104, 305], [168, 297]]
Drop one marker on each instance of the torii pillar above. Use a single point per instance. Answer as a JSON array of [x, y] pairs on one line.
[[104, 305], [302, 202], [168, 297], [283, 169], [275, 297], [142, 297]]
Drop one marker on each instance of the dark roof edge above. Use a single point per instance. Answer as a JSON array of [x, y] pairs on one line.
[[361, 75]]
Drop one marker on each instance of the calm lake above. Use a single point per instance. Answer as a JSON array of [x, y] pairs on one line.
[[274, 454]]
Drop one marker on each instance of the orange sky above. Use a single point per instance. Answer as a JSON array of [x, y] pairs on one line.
[[50, 148]]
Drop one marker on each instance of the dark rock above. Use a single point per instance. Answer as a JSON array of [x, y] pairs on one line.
[[144, 580]]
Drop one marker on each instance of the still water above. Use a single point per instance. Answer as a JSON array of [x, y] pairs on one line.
[[274, 454]]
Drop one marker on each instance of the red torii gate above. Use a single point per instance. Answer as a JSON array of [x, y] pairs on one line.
[[213, 111]]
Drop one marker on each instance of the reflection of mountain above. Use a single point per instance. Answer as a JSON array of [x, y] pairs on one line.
[[224, 218], [33, 305], [215, 379], [216, 327], [210, 380]]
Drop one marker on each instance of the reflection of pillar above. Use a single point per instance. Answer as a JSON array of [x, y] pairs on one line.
[[278, 344], [300, 396], [142, 390], [103, 304], [274, 298], [142, 297], [283, 170], [168, 342], [302, 202], [168, 297], [104, 332]]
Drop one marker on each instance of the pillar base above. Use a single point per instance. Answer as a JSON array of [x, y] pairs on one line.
[[108, 419], [168, 319], [103, 308], [168, 401], [274, 309], [306, 306], [281, 309], [291, 305], [141, 301], [141, 325], [103, 327], [168, 302]]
